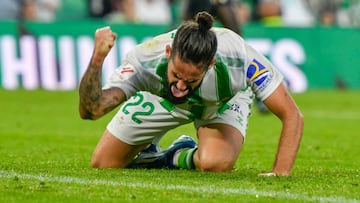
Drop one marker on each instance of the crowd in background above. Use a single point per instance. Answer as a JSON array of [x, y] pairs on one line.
[[343, 13]]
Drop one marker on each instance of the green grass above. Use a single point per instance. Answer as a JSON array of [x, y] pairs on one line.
[[45, 151]]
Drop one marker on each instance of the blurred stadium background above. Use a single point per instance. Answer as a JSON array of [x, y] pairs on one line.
[[45, 148]]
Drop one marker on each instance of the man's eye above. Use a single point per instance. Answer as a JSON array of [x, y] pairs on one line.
[[176, 76]]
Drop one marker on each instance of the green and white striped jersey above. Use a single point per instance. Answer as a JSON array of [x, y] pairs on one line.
[[238, 68]]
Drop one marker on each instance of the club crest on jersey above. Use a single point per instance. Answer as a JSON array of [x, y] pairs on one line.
[[257, 73]]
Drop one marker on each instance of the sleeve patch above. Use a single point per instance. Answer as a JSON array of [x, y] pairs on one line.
[[258, 73]]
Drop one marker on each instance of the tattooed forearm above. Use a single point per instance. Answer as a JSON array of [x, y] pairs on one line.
[[95, 102], [90, 91]]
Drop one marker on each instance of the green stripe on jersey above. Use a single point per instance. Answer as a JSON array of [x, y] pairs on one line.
[[167, 105], [223, 82], [161, 71], [230, 61], [197, 104]]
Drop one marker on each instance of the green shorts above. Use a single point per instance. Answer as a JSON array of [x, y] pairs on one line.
[[143, 117]]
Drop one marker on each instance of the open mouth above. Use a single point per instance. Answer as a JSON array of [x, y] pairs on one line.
[[177, 96], [179, 93]]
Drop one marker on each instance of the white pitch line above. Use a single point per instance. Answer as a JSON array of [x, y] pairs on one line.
[[203, 189]]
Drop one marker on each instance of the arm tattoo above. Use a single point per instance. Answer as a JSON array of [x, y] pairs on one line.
[[94, 102]]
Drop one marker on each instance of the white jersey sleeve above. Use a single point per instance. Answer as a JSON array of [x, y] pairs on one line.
[[247, 67], [261, 74]]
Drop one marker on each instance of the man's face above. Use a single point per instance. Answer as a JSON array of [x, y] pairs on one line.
[[182, 79]]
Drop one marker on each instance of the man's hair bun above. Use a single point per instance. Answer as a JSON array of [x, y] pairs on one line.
[[205, 20]]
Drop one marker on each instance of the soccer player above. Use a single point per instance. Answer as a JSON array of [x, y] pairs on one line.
[[196, 73]]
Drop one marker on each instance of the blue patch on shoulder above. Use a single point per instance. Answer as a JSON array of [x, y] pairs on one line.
[[257, 72]]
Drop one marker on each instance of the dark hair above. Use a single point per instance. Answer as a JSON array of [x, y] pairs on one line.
[[194, 42]]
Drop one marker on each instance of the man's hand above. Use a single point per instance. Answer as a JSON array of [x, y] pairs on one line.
[[104, 41], [270, 174]]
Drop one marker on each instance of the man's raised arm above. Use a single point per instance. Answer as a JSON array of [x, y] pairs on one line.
[[95, 102]]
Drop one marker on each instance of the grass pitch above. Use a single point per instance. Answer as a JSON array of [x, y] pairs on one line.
[[45, 151]]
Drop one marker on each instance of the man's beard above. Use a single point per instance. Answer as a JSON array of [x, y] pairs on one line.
[[174, 99]]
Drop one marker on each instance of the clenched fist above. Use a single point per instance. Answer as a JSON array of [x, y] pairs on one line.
[[104, 41]]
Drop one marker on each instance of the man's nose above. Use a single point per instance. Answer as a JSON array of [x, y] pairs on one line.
[[181, 85]]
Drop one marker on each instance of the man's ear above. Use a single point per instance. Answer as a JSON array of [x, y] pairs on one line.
[[168, 51], [213, 61]]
